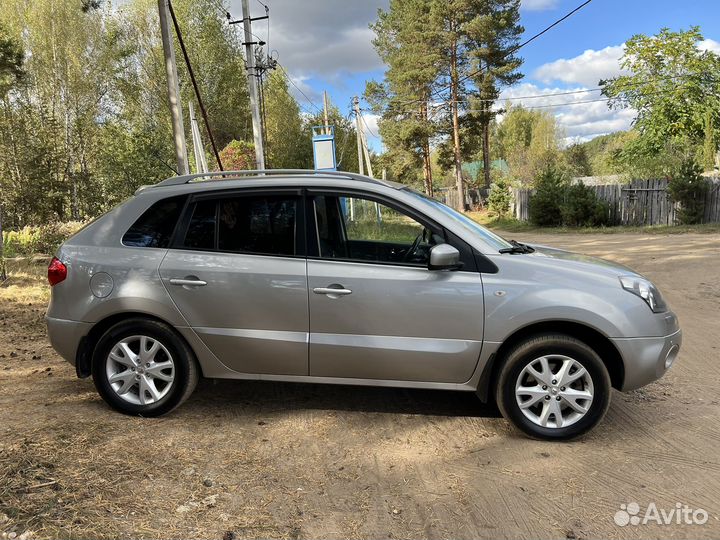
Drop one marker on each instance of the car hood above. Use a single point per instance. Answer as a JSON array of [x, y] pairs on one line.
[[579, 261]]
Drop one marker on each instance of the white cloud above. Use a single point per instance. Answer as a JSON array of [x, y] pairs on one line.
[[371, 127], [709, 45], [581, 115], [538, 5], [586, 69], [319, 38]]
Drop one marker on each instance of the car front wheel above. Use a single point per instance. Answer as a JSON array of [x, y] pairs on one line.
[[553, 387], [142, 367]]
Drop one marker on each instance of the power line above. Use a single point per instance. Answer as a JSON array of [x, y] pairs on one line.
[[569, 14], [194, 83], [298, 88], [368, 127], [527, 41]]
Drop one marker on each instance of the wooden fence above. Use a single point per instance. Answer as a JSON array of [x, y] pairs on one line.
[[641, 202]]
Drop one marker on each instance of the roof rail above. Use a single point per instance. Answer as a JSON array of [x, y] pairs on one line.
[[187, 178]]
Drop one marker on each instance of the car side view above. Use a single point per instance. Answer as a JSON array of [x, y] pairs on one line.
[[333, 277]]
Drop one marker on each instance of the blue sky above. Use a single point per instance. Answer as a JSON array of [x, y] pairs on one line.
[[326, 45]]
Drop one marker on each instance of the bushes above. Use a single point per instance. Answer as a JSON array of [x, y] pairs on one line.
[[42, 239], [545, 204], [500, 197], [558, 202], [688, 188]]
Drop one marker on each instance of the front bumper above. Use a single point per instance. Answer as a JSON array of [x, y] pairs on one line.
[[645, 358], [65, 336]]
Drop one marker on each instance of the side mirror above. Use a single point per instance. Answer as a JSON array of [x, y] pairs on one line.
[[444, 257]]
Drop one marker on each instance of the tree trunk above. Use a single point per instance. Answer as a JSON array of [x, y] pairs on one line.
[[456, 126], [3, 274], [427, 168], [486, 143], [486, 151]]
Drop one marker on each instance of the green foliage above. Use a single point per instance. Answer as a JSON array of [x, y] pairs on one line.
[[500, 197], [688, 188], [88, 121], [11, 61], [288, 142], [558, 202], [238, 156], [581, 208], [529, 141], [670, 87], [577, 159], [710, 144], [546, 202], [44, 239]]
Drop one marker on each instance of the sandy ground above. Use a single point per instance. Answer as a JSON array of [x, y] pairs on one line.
[[246, 459]]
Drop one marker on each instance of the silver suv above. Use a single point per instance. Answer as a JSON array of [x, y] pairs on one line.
[[339, 278]]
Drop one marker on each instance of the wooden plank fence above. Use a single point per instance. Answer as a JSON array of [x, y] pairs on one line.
[[640, 202]]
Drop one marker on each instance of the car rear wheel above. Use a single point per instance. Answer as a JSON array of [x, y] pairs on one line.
[[553, 387], [142, 367]]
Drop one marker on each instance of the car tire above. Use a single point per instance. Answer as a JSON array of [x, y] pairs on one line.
[[165, 374], [532, 393]]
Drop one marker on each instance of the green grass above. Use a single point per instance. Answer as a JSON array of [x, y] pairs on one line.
[[513, 225], [388, 230]]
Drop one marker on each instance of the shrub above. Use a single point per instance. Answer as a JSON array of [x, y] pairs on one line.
[[43, 239], [688, 188], [499, 197], [581, 208], [557, 202], [545, 204]]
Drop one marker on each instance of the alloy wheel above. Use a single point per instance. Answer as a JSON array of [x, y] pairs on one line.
[[140, 370], [554, 391]]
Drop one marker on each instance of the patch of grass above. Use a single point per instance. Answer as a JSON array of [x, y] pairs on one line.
[[26, 280], [389, 230], [513, 225]]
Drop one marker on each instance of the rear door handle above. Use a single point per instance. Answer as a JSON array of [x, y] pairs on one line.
[[331, 291], [184, 282]]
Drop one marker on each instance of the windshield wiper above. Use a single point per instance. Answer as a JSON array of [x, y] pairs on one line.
[[517, 247]]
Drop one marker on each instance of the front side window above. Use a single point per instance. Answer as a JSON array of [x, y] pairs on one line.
[[263, 224], [361, 229]]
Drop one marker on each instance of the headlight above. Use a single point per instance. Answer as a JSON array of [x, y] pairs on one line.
[[645, 290]]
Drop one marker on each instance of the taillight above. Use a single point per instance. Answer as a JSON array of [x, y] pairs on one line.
[[57, 271]]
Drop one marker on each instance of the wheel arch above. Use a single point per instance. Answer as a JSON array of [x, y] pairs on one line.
[[83, 359], [592, 337]]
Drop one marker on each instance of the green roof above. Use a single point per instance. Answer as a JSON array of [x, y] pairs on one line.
[[474, 168]]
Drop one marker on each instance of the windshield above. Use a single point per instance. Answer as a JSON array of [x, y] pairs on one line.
[[474, 227]]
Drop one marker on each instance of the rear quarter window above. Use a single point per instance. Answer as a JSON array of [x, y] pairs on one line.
[[155, 227]]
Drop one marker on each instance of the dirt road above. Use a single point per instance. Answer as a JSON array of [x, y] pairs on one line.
[[304, 461]]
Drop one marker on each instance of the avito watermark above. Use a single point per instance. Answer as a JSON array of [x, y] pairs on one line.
[[680, 514]]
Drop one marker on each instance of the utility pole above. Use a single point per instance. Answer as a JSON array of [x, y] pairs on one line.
[[358, 130], [200, 161], [325, 112], [173, 90], [252, 86]]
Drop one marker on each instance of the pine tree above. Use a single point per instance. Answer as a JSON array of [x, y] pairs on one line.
[[407, 41], [492, 34]]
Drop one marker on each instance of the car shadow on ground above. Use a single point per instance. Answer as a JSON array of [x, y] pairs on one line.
[[267, 396]]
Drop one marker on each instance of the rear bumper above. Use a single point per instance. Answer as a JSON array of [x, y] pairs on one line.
[[65, 336], [645, 358]]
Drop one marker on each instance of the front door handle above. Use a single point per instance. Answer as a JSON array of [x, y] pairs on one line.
[[187, 282], [331, 291]]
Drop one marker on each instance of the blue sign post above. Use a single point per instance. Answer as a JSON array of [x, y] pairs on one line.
[[324, 148]]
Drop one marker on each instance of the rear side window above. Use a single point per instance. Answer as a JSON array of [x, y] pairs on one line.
[[155, 227], [263, 224]]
